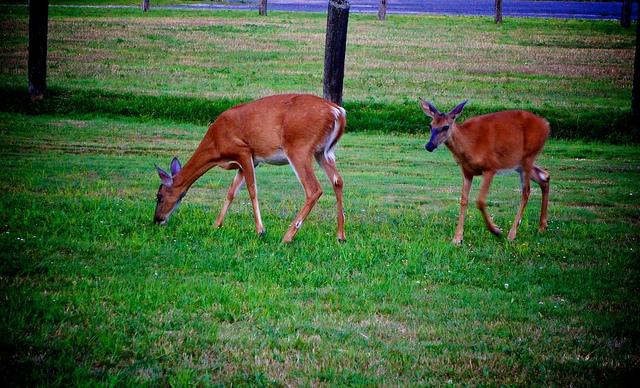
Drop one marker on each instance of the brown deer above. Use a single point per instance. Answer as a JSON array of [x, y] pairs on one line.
[[282, 129], [488, 144]]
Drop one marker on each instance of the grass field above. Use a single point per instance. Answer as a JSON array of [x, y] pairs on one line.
[[577, 73], [91, 293]]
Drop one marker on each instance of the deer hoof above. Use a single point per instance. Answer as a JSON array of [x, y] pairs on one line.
[[457, 241], [342, 240], [496, 231]]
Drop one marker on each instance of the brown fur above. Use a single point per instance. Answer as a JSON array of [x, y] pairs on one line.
[[297, 126], [484, 145]]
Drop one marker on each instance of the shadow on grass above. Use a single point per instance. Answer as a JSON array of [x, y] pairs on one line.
[[613, 125]]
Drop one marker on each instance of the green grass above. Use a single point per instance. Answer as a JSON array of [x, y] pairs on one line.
[[576, 73], [92, 292]]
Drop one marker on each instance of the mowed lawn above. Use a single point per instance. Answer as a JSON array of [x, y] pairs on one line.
[[92, 293], [542, 64]]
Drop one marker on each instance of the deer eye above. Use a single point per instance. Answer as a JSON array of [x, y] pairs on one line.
[[445, 128]]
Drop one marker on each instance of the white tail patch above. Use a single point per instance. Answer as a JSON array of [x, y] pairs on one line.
[[542, 174], [329, 146]]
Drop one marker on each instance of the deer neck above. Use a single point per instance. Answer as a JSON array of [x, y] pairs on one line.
[[201, 161], [456, 141]]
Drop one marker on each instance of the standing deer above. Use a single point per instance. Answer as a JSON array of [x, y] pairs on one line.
[[488, 144], [282, 129]]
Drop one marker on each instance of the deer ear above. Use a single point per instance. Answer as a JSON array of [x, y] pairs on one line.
[[175, 166], [164, 177], [428, 108], [458, 109]]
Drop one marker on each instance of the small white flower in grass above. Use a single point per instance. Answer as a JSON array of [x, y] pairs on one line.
[[506, 285], [541, 302]]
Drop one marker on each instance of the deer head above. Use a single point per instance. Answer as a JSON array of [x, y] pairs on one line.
[[441, 123], [168, 196]]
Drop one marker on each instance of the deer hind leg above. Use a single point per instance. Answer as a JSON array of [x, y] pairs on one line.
[[525, 175], [237, 183], [542, 178], [487, 177], [304, 170], [329, 167], [464, 200]]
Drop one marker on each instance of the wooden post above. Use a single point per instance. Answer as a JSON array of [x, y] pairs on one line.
[[635, 93], [625, 16], [335, 49], [145, 5], [498, 11], [37, 66], [382, 10], [262, 7]]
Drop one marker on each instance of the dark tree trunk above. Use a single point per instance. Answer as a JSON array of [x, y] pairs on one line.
[[498, 11], [382, 10], [635, 94], [625, 16], [38, 27], [262, 7], [145, 5], [335, 49]]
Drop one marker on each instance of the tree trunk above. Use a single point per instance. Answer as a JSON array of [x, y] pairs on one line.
[[335, 49], [37, 66], [498, 11], [382, 10], [262, 7], [635, 94], [625, 16], [145, 5]]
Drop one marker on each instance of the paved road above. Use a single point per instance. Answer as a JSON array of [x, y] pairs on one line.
[[544, 9]]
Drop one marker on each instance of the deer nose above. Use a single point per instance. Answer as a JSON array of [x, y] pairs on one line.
[[429, 147], [159, 220]]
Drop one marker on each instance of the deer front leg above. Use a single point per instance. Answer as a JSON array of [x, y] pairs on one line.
[[464, 200], [238, 180], [487, 177], [250, 178]]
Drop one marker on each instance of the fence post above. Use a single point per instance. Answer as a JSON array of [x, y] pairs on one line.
[[37, 63], [635, 93], [382, 10], [145, 5], [498, 11], [625, 15], [262, 7], [335, 49]]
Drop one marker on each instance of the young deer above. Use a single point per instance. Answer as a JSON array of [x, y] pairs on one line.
[[283, 129], [488, 144]]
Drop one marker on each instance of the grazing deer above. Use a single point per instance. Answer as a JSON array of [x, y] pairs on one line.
[[488, 144], [282, 129]]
